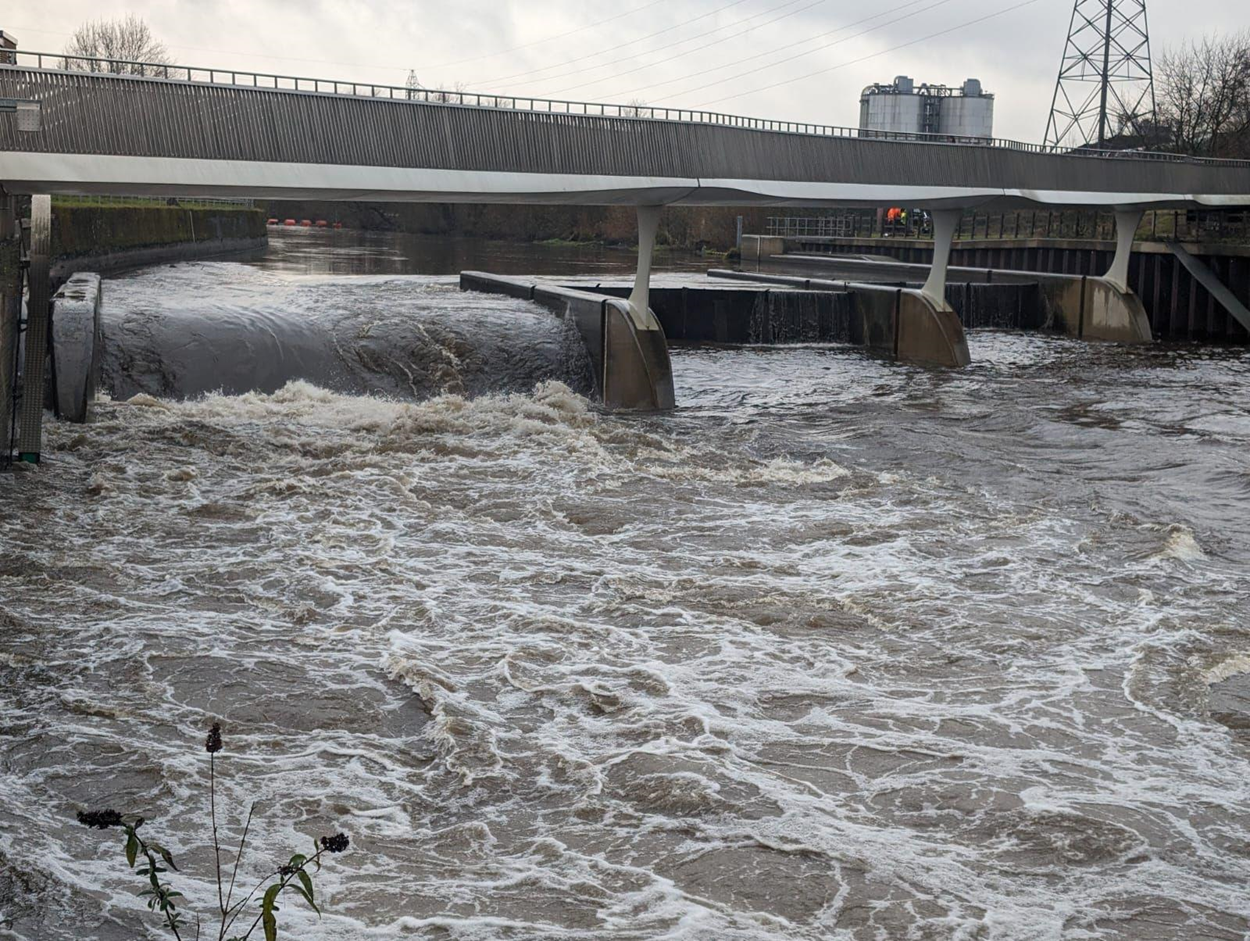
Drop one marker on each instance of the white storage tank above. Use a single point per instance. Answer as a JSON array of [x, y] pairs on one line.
[[888, 111], [970, 114], [939, 110]]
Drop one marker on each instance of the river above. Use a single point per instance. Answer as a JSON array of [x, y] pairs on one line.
[[839, 650]]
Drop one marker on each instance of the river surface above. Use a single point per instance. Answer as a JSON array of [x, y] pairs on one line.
[[839, 650]]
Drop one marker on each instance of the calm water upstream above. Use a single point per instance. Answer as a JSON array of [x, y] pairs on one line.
[[840, 650]]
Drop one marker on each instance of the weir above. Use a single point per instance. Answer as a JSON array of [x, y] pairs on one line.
[[1080, 306], [88, 130]]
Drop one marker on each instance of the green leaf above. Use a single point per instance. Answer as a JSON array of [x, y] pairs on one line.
[[165, 855], [307, 891], [298, 860], [132, 848], [267, 909], [316, 850]]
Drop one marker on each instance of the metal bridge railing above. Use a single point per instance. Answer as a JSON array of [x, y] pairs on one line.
[[60, 62], [1074, 224]]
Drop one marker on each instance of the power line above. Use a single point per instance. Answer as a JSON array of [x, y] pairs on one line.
[[613, 50], [703, 48], [875, 55], [375, 65], [772, 52], [539, 42]]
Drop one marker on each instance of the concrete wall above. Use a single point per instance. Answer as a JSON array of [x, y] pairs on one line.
[[1084, 307], [1176, 305], [889, 319], [109, 238]]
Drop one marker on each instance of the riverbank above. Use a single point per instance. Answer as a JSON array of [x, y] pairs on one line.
[[108, 237]]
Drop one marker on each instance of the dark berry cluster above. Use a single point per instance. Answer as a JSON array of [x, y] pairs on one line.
[[334, 844], [100, 819], [212, 744]]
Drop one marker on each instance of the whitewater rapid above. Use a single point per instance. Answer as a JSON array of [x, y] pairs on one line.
[[841, 650]]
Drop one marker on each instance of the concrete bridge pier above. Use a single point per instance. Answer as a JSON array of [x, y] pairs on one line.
[[30, 427], [10, 313], [1103, 308]]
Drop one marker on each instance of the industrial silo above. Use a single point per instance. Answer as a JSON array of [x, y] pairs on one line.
[[895, 108], [970, 113]]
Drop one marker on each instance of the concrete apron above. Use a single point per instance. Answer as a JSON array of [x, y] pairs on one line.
[[630, 361], [898, 322]]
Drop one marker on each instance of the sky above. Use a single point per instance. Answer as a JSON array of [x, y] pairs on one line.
[[799, 60]]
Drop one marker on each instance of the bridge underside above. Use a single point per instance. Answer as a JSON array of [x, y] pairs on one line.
[[113, 175]]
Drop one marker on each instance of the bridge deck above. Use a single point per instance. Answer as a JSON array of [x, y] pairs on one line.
[[109, 133]]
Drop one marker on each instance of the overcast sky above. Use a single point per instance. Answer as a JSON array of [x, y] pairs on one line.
[[691, 53]]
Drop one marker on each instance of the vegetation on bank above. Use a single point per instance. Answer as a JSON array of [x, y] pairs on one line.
[[83, 228]]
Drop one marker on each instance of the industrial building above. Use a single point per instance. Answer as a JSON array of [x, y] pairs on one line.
[[963, 113]]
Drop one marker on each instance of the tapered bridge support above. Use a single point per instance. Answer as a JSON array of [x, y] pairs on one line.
[[640, 299], [1105, 308], [945, 222], [1126, 223]]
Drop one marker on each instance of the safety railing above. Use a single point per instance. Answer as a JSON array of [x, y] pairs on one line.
[[1073, 224], [141, 201], [213, 76]]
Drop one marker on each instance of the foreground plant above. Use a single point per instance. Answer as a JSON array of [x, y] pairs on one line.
[[145, 857]]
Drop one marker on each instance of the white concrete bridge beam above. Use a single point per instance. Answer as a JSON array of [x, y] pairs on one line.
[[945, 223]]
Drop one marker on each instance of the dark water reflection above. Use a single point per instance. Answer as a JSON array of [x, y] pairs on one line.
[[346, 251]]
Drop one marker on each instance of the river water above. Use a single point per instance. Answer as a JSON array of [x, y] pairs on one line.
[[840, 650]]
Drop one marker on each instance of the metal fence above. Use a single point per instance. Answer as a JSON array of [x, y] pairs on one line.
[[59, 62], [154, 201], [1177, 225]]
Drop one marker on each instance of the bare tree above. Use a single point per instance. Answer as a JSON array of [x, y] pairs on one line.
[[636, 108], [1204, 96], [455, 94], [118, 44]]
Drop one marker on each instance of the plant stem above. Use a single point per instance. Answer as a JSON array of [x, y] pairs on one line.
[[235, 873], [156, 885], [238, 910], [212, 810]]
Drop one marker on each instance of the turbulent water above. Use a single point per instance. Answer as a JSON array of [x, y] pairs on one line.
[[840, 650]]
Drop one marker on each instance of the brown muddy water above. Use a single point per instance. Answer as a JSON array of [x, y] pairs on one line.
[[840, 650]]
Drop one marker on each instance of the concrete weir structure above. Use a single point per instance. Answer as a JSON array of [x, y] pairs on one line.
[[182, 131], [1088, 308], [626, 344]]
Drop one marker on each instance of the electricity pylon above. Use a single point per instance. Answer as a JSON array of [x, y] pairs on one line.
[[1106, 82]]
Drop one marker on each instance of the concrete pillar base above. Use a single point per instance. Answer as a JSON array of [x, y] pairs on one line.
[[1095, 309], [631, 365], [75, 345], [907, 325]]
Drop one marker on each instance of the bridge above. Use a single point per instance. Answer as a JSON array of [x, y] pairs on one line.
[[104, 127]]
